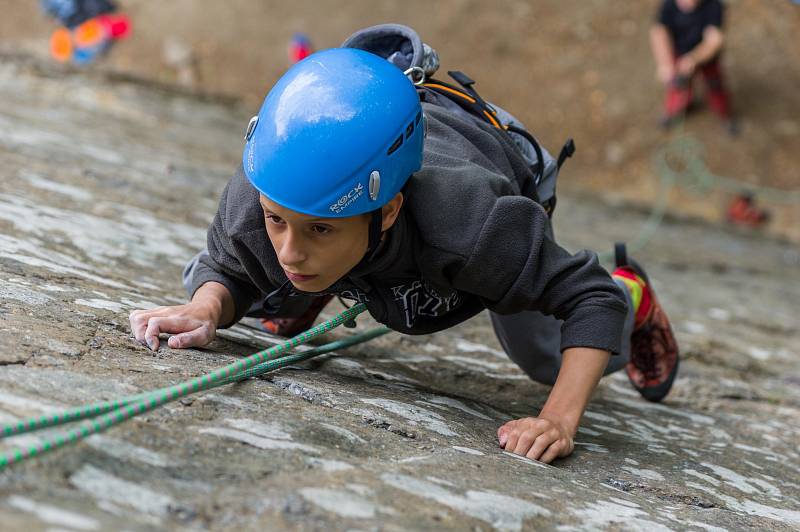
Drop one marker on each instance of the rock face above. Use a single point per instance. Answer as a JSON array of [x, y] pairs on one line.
[[106, 189]]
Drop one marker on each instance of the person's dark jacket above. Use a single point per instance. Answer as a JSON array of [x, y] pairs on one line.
[[467, 238], [687, 28]]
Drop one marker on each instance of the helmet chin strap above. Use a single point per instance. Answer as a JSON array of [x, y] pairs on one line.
[[375, 225]]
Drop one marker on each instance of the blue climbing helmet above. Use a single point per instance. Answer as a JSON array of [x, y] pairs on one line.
[[338, 135]]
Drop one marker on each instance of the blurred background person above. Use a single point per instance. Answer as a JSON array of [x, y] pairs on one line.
[[687, 38], [88, 29]]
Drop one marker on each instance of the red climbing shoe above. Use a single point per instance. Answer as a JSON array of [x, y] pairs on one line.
[[744, 211], [290, 327], [654, 352]]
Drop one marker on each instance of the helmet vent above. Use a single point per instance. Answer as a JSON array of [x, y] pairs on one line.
[[251, 127], [374, 184], [395, 145], [409, 130]]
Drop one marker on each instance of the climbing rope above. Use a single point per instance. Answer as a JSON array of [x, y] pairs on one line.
[[681, 162], [110, 413], [687, 151]]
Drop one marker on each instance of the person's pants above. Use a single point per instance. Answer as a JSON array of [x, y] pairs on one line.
[[533, 342], [679, 91]]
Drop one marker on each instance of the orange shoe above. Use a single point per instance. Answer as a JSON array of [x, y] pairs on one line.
[[90, 34], [290, 327], [654, 353], [61, 45]]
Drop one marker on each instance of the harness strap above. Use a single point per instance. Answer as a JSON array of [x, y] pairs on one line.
[[469, 100], [466, 101], [538, 149], [467, 83], [566, 152]]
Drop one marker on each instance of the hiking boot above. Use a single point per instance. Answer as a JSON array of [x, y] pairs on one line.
[[654, 352], [290, 327]]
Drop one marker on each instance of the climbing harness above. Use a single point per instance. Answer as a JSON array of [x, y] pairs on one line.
[[109, 413]]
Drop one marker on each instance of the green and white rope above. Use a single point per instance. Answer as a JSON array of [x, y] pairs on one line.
[[110, 413]]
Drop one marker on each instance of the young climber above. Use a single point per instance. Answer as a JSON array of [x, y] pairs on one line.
[[89, 29], [687, 38], [352, 186]]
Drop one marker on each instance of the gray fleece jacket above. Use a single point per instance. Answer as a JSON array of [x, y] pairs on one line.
[[470, 236]]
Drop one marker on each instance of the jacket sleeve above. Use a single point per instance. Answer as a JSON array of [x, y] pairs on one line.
[[516, 265], [715, 14], [223, 265]]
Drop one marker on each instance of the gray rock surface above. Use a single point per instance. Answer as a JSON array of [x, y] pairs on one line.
[[106, 188]]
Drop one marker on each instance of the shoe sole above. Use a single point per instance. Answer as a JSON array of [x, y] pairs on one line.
[[655, 393]]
